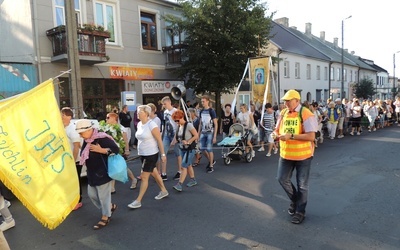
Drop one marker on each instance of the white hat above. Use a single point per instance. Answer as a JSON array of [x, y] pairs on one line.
[[338, 100], [83, 125]]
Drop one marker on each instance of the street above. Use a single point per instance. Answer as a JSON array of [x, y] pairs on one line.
[[353, 197]]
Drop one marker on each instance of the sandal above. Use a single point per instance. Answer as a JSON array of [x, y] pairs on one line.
[[113, 208], [102, 223]]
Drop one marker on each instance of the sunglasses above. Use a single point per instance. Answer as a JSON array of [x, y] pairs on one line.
[[176, 121]]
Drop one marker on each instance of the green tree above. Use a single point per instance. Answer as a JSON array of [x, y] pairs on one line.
[[364, 89], [220, 36]]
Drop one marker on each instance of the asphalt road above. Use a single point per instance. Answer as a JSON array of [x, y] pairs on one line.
[[353, 199]]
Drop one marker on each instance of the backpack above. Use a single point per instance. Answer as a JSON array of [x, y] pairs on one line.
[[192, 145]]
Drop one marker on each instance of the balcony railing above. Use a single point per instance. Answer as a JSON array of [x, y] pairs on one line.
[[174, 54], [91, 45]]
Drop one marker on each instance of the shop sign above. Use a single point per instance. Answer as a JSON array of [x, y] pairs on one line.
[[130, 73], [159, 87]]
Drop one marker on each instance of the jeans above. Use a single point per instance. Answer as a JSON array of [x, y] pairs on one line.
[[167, 143], [206, 141], [285, 170]]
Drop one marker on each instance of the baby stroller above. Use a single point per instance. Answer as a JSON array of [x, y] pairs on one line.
[[234, 146]]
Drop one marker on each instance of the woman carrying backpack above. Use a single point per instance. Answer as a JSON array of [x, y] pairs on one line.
[[186, 136]]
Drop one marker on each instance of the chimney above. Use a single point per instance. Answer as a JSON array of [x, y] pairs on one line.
[[347, 50], [308, 29], [294, 27], [353, 52], [322, 35], [335, 42], [283, 21]]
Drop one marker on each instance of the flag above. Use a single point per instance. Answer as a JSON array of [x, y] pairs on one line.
[[259, 75], [36, 161]]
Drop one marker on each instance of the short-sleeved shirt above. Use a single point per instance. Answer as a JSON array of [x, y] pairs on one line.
[[169, 125], [125, 119], [188, 134], [147, 144], [73, 137], [207, 117]]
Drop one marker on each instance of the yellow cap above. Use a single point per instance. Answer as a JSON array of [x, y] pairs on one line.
[[291, 94]]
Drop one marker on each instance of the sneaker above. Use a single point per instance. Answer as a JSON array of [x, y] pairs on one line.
[[177, 176], [6, 203], [369, 130], [298, 218], [340, 136], [191, 183], [268, 155], [213, 163], [209, 170], [261, 149], [134, 183], [135, 204], [164, 177], [358, 133], [275, 151], [253, 153], [7, 225], [351, 133], [292, 209], [79, 205], [161, 195], [374, 129], [178, 187], [332, 137]]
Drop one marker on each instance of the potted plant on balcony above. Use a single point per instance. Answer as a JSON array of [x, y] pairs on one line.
[[93, 29]]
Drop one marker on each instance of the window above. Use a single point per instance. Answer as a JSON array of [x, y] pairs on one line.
[[286, 72], [244, 98], [172, 36], [355, 76], [338, 73], [149, 30], [297, 70], [59, 12], [308, 71], [351, 75], [326, 73], [105, 15], [332, 73], [345, 74], [318, 72]]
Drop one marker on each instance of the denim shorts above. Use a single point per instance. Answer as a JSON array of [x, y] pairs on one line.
[[187, 157], [206, 141]]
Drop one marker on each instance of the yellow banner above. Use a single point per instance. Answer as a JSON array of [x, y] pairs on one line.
[[131, 73], [36, 161], [259, 74]]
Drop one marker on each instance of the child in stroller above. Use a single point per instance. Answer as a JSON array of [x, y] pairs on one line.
[[234, 146]]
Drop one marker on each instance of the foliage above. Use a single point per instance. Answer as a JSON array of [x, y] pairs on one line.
[[113, 130], [220, 37], [364, 89]]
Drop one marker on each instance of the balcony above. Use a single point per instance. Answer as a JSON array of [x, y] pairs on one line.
[[174, 55], [91, 45]]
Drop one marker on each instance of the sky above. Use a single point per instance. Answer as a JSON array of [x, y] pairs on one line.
[[373, 31]]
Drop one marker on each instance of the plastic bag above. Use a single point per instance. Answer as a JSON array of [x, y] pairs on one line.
[[117, 168]]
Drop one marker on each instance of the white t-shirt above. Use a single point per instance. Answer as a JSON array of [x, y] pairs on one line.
[[170, 126], [244, 119], [147, 144], [157, 121], [73, 137]]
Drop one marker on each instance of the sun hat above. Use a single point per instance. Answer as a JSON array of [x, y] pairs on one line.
[[83, 125]]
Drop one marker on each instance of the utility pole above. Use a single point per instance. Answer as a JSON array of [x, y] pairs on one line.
[[75, 84]]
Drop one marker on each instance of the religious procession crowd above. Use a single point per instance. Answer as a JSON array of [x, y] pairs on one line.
[[192, 133]]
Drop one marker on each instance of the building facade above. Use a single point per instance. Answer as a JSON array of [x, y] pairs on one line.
[[123, 45]]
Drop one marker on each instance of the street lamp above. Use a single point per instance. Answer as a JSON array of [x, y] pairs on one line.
[[394, 74], [342, 83]]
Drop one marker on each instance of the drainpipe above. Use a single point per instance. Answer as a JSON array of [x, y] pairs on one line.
[[329, 81], [279, 76], [36, 40]]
